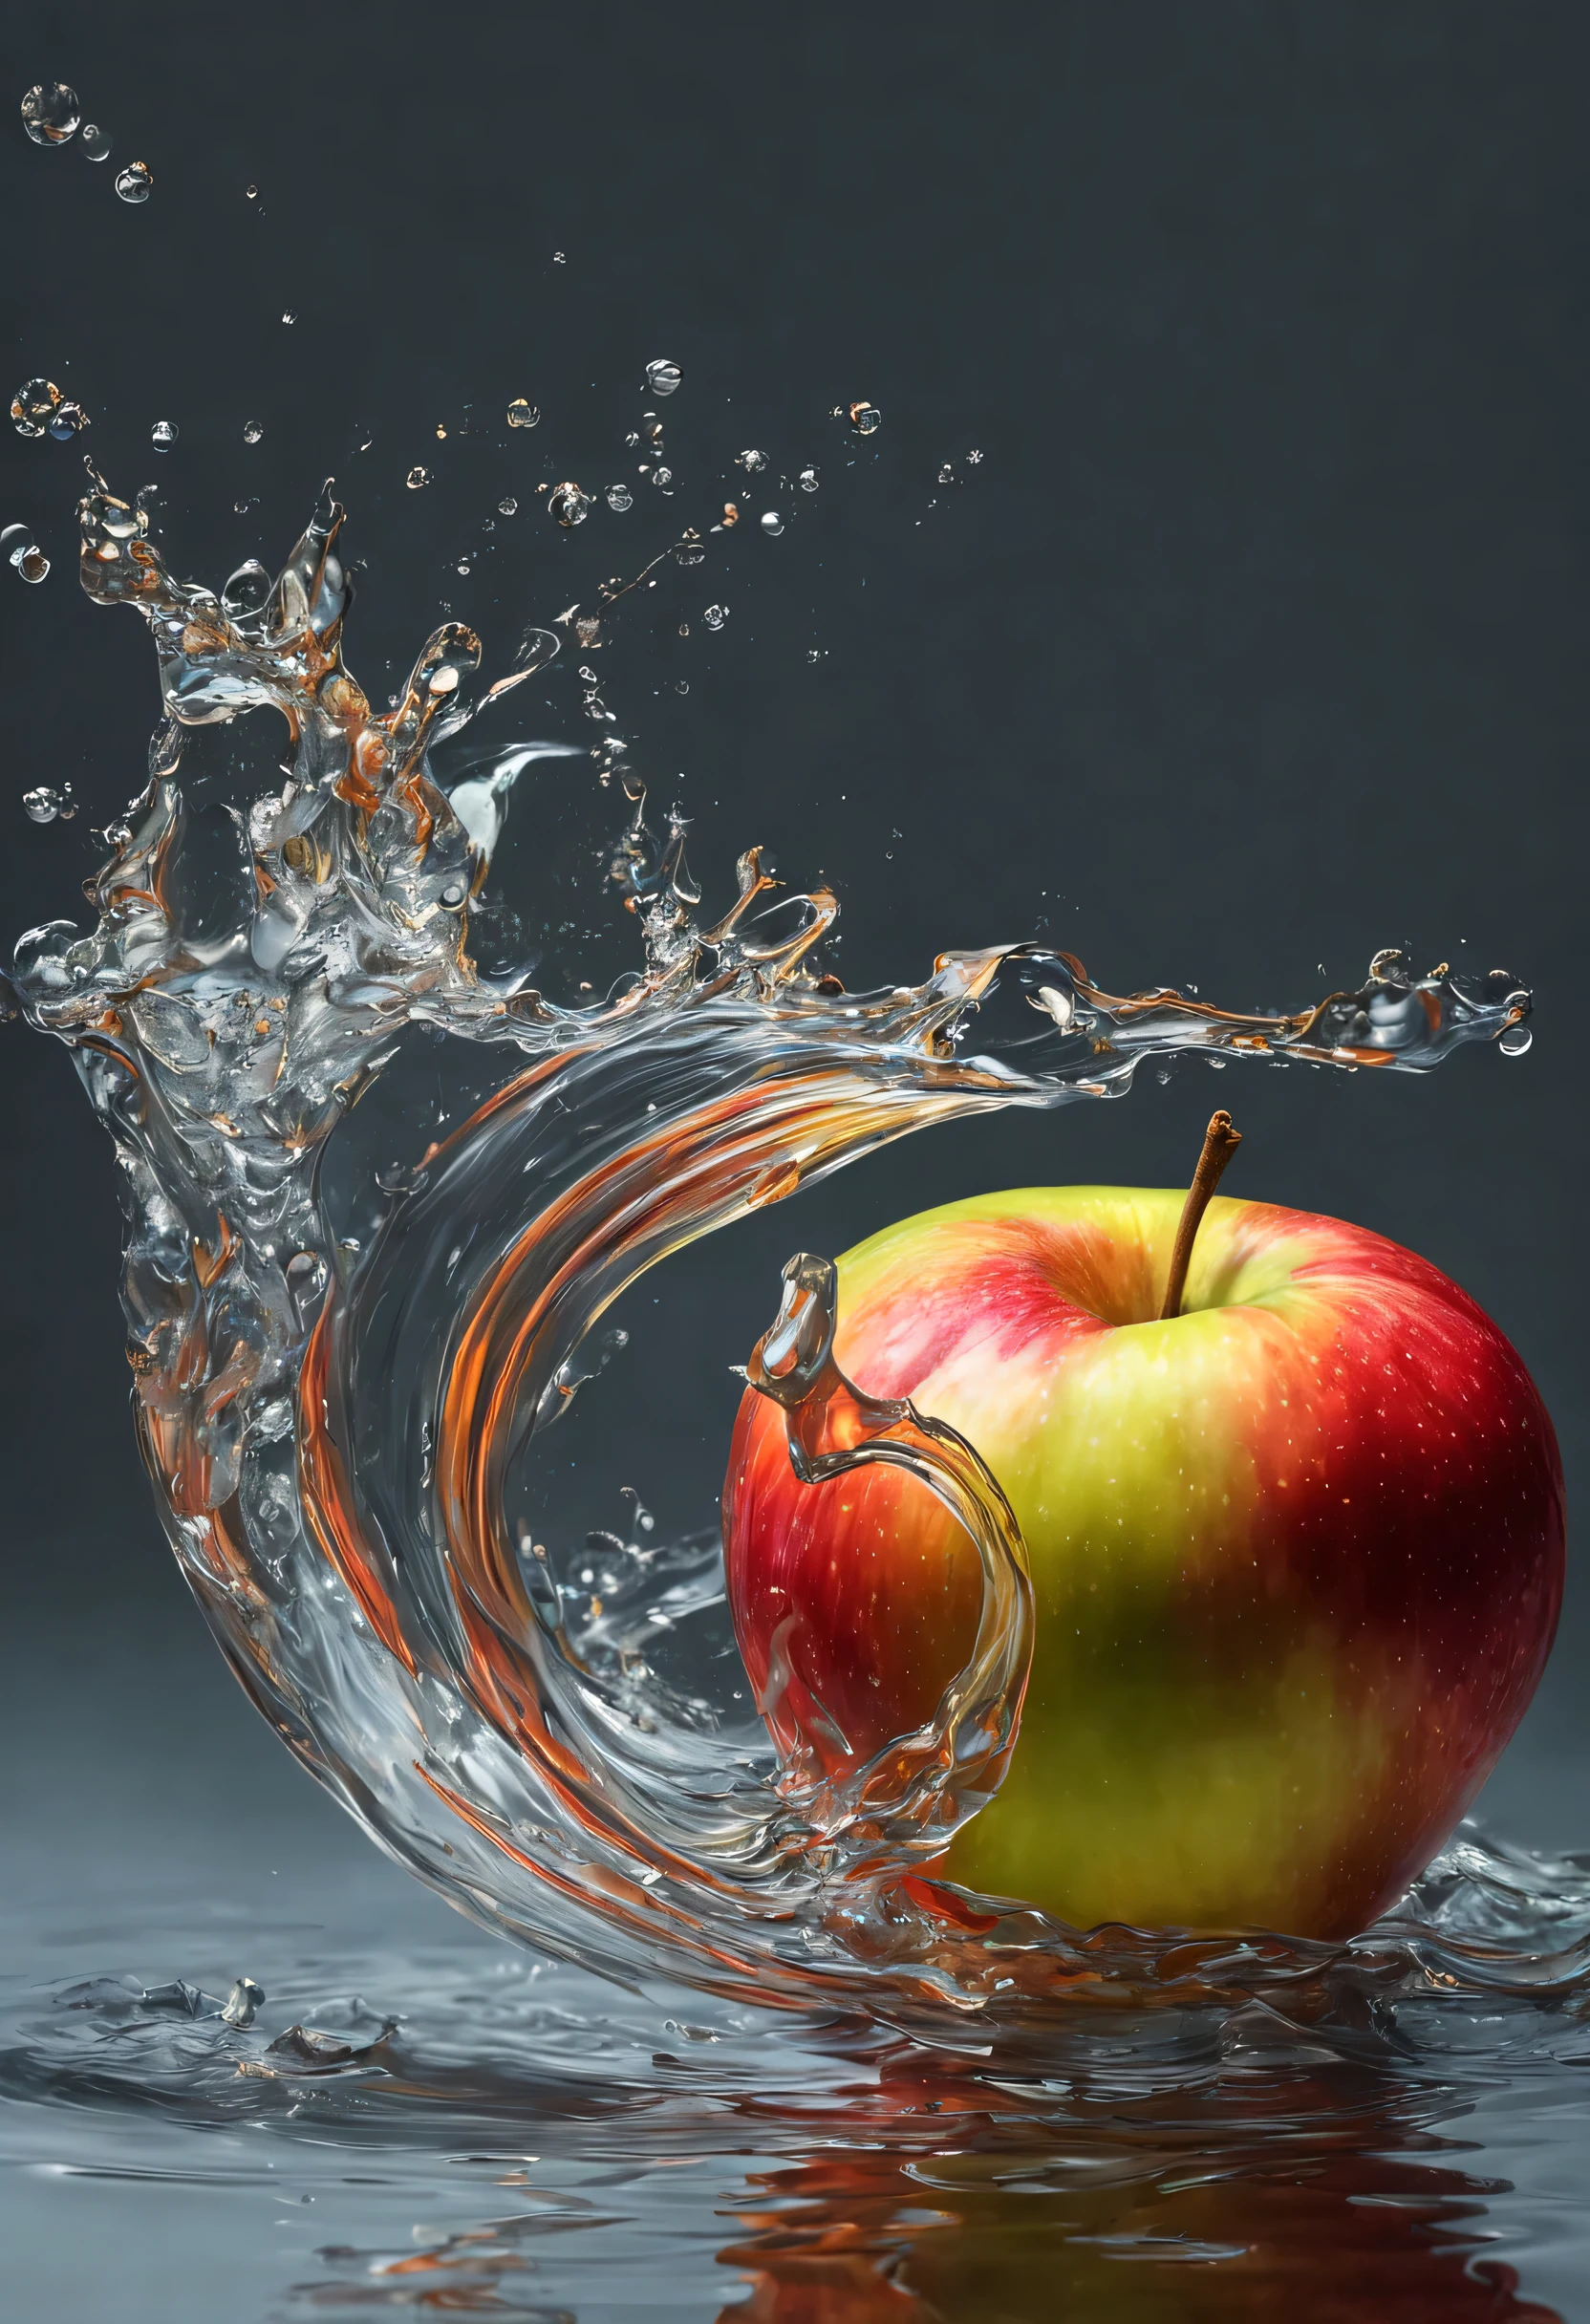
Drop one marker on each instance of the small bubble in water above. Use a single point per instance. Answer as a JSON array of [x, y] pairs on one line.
[[866, 419], [620, 498], [68, 420], [418, 478], [808, 479], [751, 461], [248, 588], [50, 112], [716, 615], [43, 805], [133, 184], [663, 477], [521, 413], [1516, 1041], [570, 504], [662, 378], [33, 406], [164, 435], [96, 144], [772, 523], [253, 431], [507, 506], [689, 551]]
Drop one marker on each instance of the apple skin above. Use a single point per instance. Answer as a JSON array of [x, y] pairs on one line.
[[1297, 1554]]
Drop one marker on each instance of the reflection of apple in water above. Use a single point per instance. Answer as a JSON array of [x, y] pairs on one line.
[[1297, 1551]]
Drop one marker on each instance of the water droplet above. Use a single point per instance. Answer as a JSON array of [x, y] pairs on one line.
[[752, 462], [417, 479], [866, 419], [43, 805], [50, 112], [945, 474], [716, 615], [69, 419], [662, 378], [689, 551], [463, 565], [253, 431], [33, 406], [133, 184], [94, 144], [364, 435], [453, 894], [974, 458], [620, 498], [164, 435], [247, 591], [814, 653], [772, 523], [251, 193], [731, 515], [30, 562], [523, 414], [442, 432], [243, 507], [570, 504], [681, 685], [1517, 1040], [808, 479], [684, 629], [244, 2003], [288, 315], [507, 506], [558, 259], [663, 477]]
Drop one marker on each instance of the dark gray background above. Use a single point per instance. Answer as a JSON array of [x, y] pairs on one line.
[[1255, 642]]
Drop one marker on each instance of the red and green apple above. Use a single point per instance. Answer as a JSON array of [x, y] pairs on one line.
[[1297, 1550]]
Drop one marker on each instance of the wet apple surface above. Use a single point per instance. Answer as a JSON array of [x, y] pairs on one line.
[[1297, 1551]]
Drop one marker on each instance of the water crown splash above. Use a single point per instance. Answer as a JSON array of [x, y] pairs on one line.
[[332, 1429]]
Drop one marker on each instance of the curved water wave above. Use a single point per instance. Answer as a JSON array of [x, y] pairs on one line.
[[331, 1429]]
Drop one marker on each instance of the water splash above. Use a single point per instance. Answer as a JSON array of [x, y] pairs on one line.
[[332, 1424]]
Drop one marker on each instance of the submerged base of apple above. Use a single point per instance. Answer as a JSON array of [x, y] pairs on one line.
[[1296, 1553]]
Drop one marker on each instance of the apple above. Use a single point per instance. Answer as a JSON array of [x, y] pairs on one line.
[[1296, 1544]]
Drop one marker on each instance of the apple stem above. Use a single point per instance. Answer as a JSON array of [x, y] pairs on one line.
[[1220, 1142]]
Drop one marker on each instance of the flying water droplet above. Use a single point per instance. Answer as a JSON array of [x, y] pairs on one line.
[[34, 405], [417, 479], [662, 478], [681, 685], [94, 144], [253, 431], [1516, 1041], [364, 435], [620, 498], [945, 474], [808, 479], [507, 506], [248, 589], [250, 193], [523, 414], [866, 419], [662, 378], [815, 653], [974, 458], [164, 435], [558, 259], [68, 420], [288, 315], [751, 461], [133, 184], [42, 805], [716, 615], [772, 523], [462, 566], [570, 504], [50, 112]]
